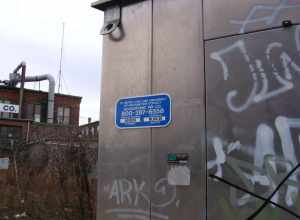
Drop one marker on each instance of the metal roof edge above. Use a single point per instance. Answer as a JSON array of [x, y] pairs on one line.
[[40, 91], [104, 4]]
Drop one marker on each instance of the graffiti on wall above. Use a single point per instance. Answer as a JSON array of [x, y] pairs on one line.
[[129, 195], [273, 11], [264, 170], [262, 165], [256, 68]]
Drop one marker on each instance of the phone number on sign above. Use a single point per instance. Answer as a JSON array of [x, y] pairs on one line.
[[142, 112]]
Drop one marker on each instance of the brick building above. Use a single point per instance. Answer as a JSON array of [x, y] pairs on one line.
[[34, 113], [66, 107], [90, 131]]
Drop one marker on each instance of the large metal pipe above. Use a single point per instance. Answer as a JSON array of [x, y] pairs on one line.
[[21, 95], [21, 65], [15, 79], [51, 91]]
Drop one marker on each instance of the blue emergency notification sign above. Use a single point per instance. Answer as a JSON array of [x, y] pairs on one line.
[[143, 111]]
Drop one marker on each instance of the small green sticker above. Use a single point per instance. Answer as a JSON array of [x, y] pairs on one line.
[[172, 157]]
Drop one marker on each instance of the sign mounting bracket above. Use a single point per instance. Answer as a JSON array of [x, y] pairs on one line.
[[112, 13], [112, 19]]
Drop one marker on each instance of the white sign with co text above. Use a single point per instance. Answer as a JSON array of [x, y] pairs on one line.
[[9, 108]]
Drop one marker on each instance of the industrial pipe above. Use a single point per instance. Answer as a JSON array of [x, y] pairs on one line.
[[50, 92], [21, 65], [13, 83], [21, 96], [15, 79]]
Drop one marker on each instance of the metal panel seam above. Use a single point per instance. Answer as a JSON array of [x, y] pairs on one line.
[[249, 32]]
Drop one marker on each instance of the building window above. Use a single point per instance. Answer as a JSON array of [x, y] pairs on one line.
[[66, 116], [92, 131], [63, 115], [29, 111], [33, 112], [37, 113]]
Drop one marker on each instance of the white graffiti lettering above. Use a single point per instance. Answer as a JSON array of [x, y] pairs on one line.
[[131, 192], [274, 11], [136, 214], [265, 170], [260, 90]]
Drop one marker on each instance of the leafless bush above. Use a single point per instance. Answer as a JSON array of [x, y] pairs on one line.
[[49, 179]]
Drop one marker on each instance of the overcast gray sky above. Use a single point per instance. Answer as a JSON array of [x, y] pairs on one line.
[[31, 31]]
